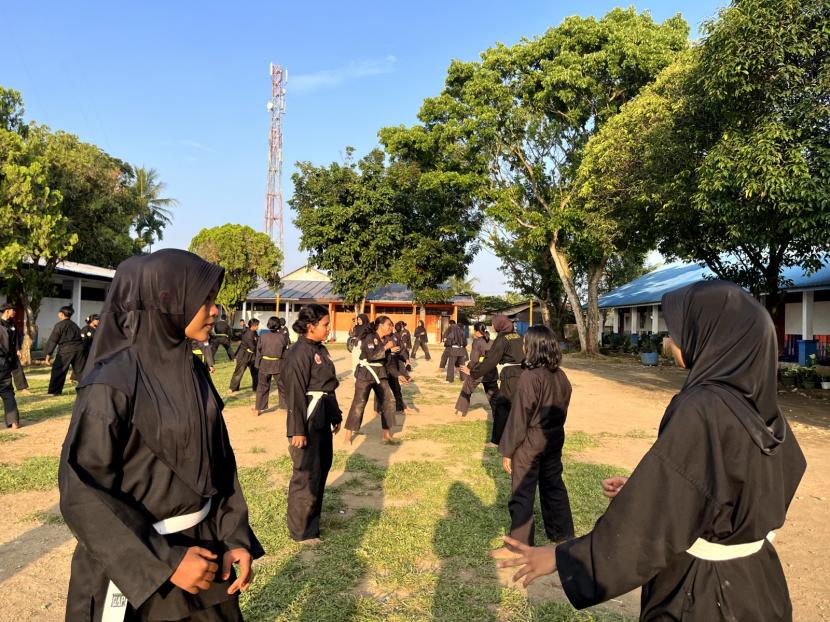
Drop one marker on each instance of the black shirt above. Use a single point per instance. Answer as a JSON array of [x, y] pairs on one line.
[[65, 335], [307, 366]]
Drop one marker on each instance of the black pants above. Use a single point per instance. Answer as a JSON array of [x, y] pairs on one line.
[[364, 384], [268, 371], [423, 346], [308, 483], [395, 385], [60, 366], [445, 355], [7, 395], [225, 343], [491, 389], [244, 361], [19, 376], [545, 470], [455, 358], [501, 412]]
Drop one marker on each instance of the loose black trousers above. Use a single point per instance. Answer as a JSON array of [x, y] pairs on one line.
[[7, 395], [542, 469], [455, 358], [364, 384], [308, 483], [244, 361], [225, 343], [491, 389], [395, 386], [19, 376], [60, 366], [268, 371], [423, 346]]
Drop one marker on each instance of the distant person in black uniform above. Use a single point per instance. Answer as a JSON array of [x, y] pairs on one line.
[[420, 341], [87, 334], [269, 354], [405, 338], [308, 382], [481, 344], [397, 372], [246, 357], [241, 330], [202, 351], [7, 314], [66, 337], [455, 349], [221, 337], [284, 330], [8, 359]]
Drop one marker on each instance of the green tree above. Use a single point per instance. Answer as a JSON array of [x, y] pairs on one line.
[[154, 210], [727, 155], [520, 119], [245, 254]]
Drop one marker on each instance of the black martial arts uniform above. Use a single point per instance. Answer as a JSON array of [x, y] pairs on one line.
[[421, 339], [372, 355], [405, 338], [8, 358], [16, 339], [533, 440], [307, 367], [507, 351], [66, 337], [284, 330], [147, 442], [202, 351], [490, 381], [270, 350], [724, 469], [395, 364], [455, 348], [246, 359], [221, 336]]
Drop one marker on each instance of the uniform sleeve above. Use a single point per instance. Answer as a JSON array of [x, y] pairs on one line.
[[376, 352], [54, 338], [525, 403], [208, 352], [662, 509], [117, 533], [295, 377], [258, 359], [491, 359]]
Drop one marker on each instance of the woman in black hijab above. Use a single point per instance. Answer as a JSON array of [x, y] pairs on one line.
[[147, 477], [693, 525]]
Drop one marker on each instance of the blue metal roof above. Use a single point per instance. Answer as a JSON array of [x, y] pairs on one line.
[[649, 288], [321, 291]]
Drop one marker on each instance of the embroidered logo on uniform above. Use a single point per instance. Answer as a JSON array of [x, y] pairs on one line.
[[371, 346], [317, 359], [376, 342], [118, 600]]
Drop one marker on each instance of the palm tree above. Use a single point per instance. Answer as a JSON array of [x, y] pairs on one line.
[[153, 210], [459, 286]]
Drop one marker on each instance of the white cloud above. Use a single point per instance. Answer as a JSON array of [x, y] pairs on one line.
[[186, 142], [330, 78]]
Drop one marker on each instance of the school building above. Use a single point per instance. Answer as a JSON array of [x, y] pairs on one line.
[[804, 328], [84, 286], [308, 285]]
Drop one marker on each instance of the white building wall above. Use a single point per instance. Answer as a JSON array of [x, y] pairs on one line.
[[821, 318], [792, 318]]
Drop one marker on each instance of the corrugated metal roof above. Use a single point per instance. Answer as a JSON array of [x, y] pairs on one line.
[[649, 288], [321, 291]]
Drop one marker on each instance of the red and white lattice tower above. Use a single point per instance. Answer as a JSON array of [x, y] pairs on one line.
[[273, 192]]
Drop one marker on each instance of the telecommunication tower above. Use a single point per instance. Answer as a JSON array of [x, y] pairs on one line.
[[273, 191]]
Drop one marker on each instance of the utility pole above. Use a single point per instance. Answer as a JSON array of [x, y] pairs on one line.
[[273, 191]]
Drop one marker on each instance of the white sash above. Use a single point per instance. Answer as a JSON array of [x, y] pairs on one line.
[[370, 367], [315, 396], [503, 365], [714, 552], [115, 603]]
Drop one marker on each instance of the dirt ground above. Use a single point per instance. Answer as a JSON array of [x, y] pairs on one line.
[[620, 402]]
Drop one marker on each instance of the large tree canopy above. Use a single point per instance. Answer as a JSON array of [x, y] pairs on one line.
[[245, 254]]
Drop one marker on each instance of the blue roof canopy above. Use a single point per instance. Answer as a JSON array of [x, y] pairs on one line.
[[322, 291]]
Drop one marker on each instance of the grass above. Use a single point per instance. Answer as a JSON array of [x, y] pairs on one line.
[[8, 437], [45, 518], [38, 473]]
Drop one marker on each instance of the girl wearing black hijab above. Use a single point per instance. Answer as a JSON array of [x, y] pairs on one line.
[[420, 340], [481, 344], [147, 478], [694, 523]]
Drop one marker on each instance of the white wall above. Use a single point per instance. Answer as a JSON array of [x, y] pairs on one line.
[[821, 318], [792, 318], [48, 316]]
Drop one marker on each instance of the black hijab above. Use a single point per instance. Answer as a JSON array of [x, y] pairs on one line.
[[140, 349], [728, 344], [364, 327], [502, 324]]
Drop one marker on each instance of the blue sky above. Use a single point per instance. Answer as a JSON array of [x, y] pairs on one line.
[[182, 86]]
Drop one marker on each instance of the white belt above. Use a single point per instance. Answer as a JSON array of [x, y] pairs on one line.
[[713, 552], [456, 346], [315, 396], [115, 603], [503, 365], [370, 367]]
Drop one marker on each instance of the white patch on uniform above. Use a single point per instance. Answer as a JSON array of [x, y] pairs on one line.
[[317, 359]]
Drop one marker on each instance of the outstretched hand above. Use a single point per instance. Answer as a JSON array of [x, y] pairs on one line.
[[535, 561], [613, 485], [245, 575]]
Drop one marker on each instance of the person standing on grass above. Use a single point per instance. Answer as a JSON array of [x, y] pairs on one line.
[[371, 375], [308, 381], [21, 385], [694, 524], [87, 335], [481, 344], [221, 337], [246, 357], [396, 373], [148, 480], [271, 349], [284, 331], [505, 353], [420, 341], [201, 350], [455, 350], [8, 359], [531, 446], [405, 338], [66, 337]]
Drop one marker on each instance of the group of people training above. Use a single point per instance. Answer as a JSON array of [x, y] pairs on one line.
[[149, 486]]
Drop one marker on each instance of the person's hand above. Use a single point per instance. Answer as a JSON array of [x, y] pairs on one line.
[[535, 561], [19, 354], [507, 464], [211, 369], [298, 441], [335, 428], [613, 485], [48, 360], [196, 571], [396, 349], [464, 369], [388, 345], [404, 379], [246, 572]]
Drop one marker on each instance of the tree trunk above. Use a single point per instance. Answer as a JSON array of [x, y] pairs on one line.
[[359, 309], [593, 329], [563, 269], [29, 328], [546, 317]]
